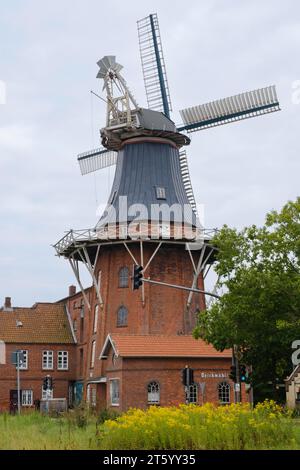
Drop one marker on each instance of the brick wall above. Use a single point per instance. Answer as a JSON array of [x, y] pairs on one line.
[[163, 311], [135, 374]]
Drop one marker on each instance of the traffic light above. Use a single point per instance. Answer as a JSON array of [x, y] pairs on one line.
[[137, 276], [232, 374], [243, 373], [187, 376]]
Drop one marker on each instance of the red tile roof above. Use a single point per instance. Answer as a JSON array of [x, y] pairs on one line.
[[42, 323], [161, 346]]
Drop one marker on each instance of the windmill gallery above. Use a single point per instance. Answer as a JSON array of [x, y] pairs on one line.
[[112, 345]]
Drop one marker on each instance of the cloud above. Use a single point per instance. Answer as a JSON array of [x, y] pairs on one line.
[[16, 137]]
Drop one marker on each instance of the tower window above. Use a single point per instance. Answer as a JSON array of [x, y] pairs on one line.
[[160, 193], [122, 316], [124, 277], [224, 393]]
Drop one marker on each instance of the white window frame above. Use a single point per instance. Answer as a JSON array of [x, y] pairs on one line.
[[192, 393], [27, 397], [224, 391], [93, 353], [114, 392], [62, 360], [47, 394], [153, 390], [160, 192], [48, 358], [24, 365], [96, 318]]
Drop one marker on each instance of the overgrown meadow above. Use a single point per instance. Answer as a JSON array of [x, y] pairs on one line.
[[235, 426]]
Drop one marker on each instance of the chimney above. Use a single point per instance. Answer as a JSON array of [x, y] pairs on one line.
[[72, 290], [7, 304]]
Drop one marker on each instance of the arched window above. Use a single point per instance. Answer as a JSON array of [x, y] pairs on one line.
[[153, 393], [124, 277], [191, 394], [224, 393], [122, 316]]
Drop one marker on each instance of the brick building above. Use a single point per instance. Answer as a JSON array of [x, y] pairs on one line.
[[125, 359], [116, 364], [147, 369], [44, 334]]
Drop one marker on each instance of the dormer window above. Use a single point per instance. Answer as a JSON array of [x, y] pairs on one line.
[[160, 192]]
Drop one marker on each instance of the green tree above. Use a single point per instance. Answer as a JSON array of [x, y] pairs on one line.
[[258, 272]]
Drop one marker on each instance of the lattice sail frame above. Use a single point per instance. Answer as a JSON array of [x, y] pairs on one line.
[[153, 65], [96, 159], [234, 108], [185, 173]]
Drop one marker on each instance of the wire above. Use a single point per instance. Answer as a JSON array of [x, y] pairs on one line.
[[93, 144]]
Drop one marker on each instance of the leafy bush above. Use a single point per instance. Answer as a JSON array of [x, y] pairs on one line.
[[234, 426], [105, 415], [79, 416]]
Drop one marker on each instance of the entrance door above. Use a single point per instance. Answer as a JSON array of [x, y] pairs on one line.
[[78, 391], [13, 401]]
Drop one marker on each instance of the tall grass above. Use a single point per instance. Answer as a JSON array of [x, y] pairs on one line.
[[34, 431]]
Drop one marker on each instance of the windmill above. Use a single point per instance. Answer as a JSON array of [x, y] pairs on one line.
[[123, 112], [151, 168]]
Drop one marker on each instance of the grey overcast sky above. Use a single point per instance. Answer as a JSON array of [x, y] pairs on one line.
[[213, 49]]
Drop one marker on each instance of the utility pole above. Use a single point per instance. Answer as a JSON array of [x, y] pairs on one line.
[[18, 382], [251, 392], [237, 385]]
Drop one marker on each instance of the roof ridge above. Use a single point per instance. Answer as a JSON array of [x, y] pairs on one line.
[[156, 335]]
